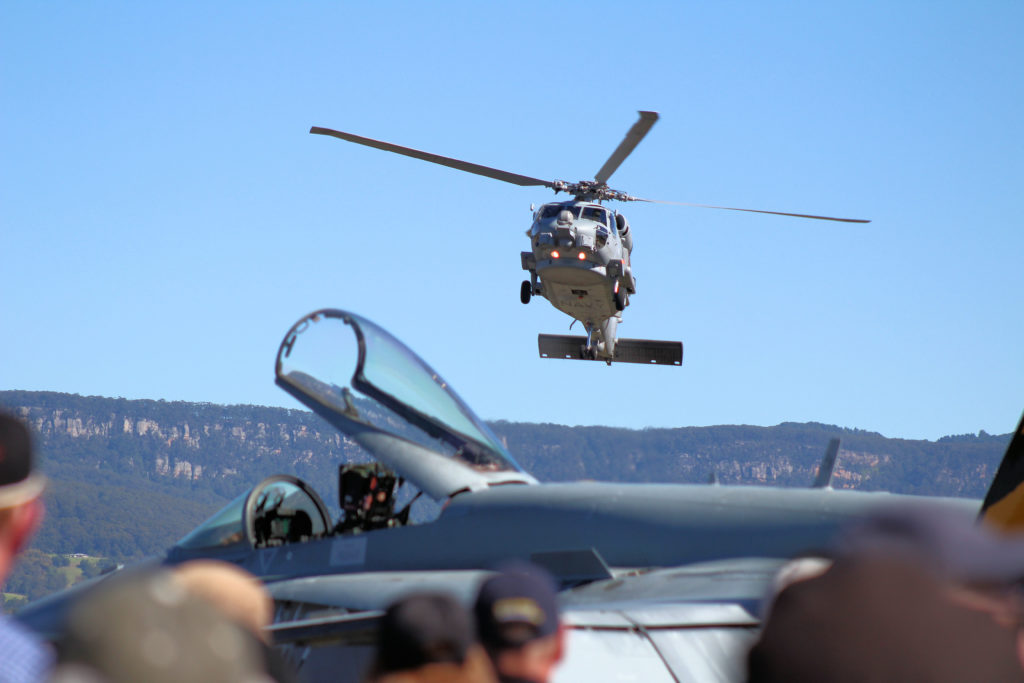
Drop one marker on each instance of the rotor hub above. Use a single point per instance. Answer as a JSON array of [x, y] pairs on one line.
[[591, 191]]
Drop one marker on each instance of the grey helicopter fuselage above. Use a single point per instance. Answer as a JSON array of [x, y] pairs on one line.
[[580, 262]]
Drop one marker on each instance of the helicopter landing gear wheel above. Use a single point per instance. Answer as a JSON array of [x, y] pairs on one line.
[[525, 292]]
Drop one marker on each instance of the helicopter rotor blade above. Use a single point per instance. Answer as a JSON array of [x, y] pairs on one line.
[[458, 164], [628, 144], [774, 213]]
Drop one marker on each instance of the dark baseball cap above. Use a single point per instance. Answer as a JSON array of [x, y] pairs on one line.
[[516, 606], [18, 482], [951, 542], [423, 628], [879, 618]]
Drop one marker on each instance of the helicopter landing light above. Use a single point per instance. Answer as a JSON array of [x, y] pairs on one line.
[[582, 256]]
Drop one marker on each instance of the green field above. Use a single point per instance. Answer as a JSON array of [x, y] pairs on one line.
[[37, 573]]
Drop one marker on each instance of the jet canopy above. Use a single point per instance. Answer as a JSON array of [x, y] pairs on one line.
[[370, 386], [280, 509]]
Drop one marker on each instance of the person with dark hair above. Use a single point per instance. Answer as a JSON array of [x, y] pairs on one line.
[[23, 657], [427, 638], [910, 594], [518, 623]]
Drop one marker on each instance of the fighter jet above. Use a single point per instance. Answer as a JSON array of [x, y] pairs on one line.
[[660, 582]]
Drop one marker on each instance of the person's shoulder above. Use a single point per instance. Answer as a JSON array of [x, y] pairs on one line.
[[23, 657]]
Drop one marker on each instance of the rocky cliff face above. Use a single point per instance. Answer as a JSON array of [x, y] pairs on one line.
[[188, 441], [181, 441]]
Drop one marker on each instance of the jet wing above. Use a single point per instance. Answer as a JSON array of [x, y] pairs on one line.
[[685, 623], [370, 591]]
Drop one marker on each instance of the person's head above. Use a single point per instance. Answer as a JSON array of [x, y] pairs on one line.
[[20, 487], [147, 627], [927, 592], [980, 569], [236, 593], [428, 636], [879, 618], [517, 619], [950, 541]]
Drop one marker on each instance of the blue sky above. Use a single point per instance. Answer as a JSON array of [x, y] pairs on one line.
[[165, 215]]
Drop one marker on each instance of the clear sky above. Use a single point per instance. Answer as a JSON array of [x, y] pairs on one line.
[[165, 215]]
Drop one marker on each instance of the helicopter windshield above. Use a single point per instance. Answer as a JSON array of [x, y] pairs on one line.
[[552, 210], [595, 213], [330, 353]]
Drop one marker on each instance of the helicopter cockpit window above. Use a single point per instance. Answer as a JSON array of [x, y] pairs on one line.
[[552, 210], [595, 213]]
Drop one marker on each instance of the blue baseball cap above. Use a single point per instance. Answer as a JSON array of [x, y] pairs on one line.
[[516, 606]]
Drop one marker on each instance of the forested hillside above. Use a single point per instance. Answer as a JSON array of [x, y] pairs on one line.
[[787, 455], [130, 477]]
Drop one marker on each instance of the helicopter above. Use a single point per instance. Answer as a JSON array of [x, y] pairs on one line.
[[580, 252]]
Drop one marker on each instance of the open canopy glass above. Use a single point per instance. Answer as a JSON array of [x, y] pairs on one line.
[[346, 368]]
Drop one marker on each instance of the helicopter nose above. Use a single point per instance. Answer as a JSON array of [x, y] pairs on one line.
[[566, 235]]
